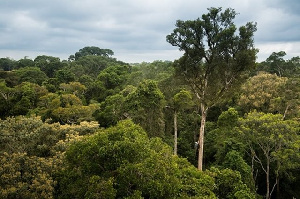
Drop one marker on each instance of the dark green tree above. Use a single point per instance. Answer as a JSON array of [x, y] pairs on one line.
[[7, 94], [91, 65], [111, 110], [25, 62], [295, 64], [91, 50], [114, 77], [7, 64], [215, 59], [48, 64], [64, 75], [26, 98], [225, 147], [31, 74], [276, 63], [95, 89], [145, 107]]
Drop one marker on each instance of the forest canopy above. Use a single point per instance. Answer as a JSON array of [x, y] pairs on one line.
[[93, 126]]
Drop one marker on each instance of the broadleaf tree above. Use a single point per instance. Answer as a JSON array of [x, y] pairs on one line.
[[215, 60], [273, 145]]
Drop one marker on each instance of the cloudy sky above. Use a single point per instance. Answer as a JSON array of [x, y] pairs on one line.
[[134, 29]]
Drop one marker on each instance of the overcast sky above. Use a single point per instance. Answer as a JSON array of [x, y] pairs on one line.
[[134, 29]]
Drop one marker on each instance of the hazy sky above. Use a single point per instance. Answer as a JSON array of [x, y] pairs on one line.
[[134, 29]]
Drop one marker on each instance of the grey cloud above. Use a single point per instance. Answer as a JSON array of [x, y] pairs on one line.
[[128, 27]]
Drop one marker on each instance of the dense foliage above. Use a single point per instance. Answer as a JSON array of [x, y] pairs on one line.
[[96, 127]]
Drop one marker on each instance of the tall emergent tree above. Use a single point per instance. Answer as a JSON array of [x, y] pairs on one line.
[[216, 58]]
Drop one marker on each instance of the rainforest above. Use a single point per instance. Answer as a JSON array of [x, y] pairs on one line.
[[214, 123]]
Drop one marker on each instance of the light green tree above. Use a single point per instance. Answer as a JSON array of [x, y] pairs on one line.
[[259, 92], [270, 93], [31, 152], [272, 144], [65, 108], [229, 184]]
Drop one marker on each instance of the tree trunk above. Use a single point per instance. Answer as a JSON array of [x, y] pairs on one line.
[[175, 133], [277, 175], [278, 189], [285, 111], [201, 136], [268, 179]]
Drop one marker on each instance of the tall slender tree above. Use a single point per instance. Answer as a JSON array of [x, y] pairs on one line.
[[215, 60], [182, 100]]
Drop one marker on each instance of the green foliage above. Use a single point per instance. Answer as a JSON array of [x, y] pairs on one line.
[[20, 99], [7, 64], [121, 161], [234, 161], [271, 94], [66, 108], [64, 75], [111, 110], [288, 101], [225, 147], [216, 59], [129, 164], [31, 74], [209, 79], [276, 64], [95, 89], [31, 154], [114, 77], [228, 119], [182, 100], [145, 107], [33, 137], [75, 88], [92, 65], [91, 50], [51, 84], [11, 79], [100, 188], [25, 62], [229, 184], [272, 144], [6, 95], [32, 91], [194, 184], [48, 64], [23, 176], [260, 91], [157, 70]]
